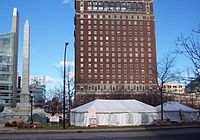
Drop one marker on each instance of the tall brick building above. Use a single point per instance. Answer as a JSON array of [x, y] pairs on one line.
[[115, 51]]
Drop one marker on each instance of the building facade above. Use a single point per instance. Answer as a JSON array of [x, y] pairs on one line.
[[38, 80], [7, 78], [175, 88], [115, 50], [37, 89], [9, 62]]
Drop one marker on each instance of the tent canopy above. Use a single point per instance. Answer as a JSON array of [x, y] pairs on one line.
[[115, 106], [174, 106]]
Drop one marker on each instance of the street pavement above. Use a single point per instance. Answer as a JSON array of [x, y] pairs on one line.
[[163, 134], [129, 133]]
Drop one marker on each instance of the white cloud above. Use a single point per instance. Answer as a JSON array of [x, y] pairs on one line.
[[61, 64], [65, 1], [51, 80]]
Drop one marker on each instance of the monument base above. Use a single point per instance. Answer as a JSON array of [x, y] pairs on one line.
[[21, 112], [23, 106]]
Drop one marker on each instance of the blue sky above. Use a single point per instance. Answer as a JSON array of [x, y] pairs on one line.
[[52, 25]]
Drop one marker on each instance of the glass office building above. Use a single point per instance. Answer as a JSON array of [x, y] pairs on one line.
[[7, 43]]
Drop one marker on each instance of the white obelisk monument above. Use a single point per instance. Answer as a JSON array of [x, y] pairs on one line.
[[15, 29], [25, 94]]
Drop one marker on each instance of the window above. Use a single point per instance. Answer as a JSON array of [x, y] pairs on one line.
[[124, 22], [123, 16], [106, 17], [118, 6], [81, 16], [106, 6], [149, 60], [140, 7], [82, 6], [94, 5], [129, 17], [113, 65], [143, 72], [112, 6], [128, 6], [123, 6], [89, 5], [149, 54], [100, 5], [134, 5]]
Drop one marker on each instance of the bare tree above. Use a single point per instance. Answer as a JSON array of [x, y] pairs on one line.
[[165, 73], [53, 106], [56, 92], [55, 96], [54, 100], [189, 46], [70, 90], [69, 76]]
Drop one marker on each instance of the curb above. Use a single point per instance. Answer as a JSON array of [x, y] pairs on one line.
[[95, 130]]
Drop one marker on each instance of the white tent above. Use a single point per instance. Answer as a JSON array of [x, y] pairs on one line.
[[178, 113], [113, 113]]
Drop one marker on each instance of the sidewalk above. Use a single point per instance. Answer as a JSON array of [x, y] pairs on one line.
[[11, 130]]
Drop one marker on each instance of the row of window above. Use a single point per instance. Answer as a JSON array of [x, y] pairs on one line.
[[5, 87], [112, 22], [116, 16], [113, 48], [5, 59], [113, 82], [107, 87], [116, 38], [115, 6], [113, 76], [131, 66], [114, 54], [113, 65], [118, 71], [5, 68], [113, 60], [5, 77], [114, 45]]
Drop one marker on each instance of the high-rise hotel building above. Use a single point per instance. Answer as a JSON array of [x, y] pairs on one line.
[[115, 50]]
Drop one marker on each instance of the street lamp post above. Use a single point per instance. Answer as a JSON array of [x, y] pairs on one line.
[[64, 76], [31, 108]]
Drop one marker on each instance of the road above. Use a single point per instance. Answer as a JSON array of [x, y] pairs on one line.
[[166, 134]]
